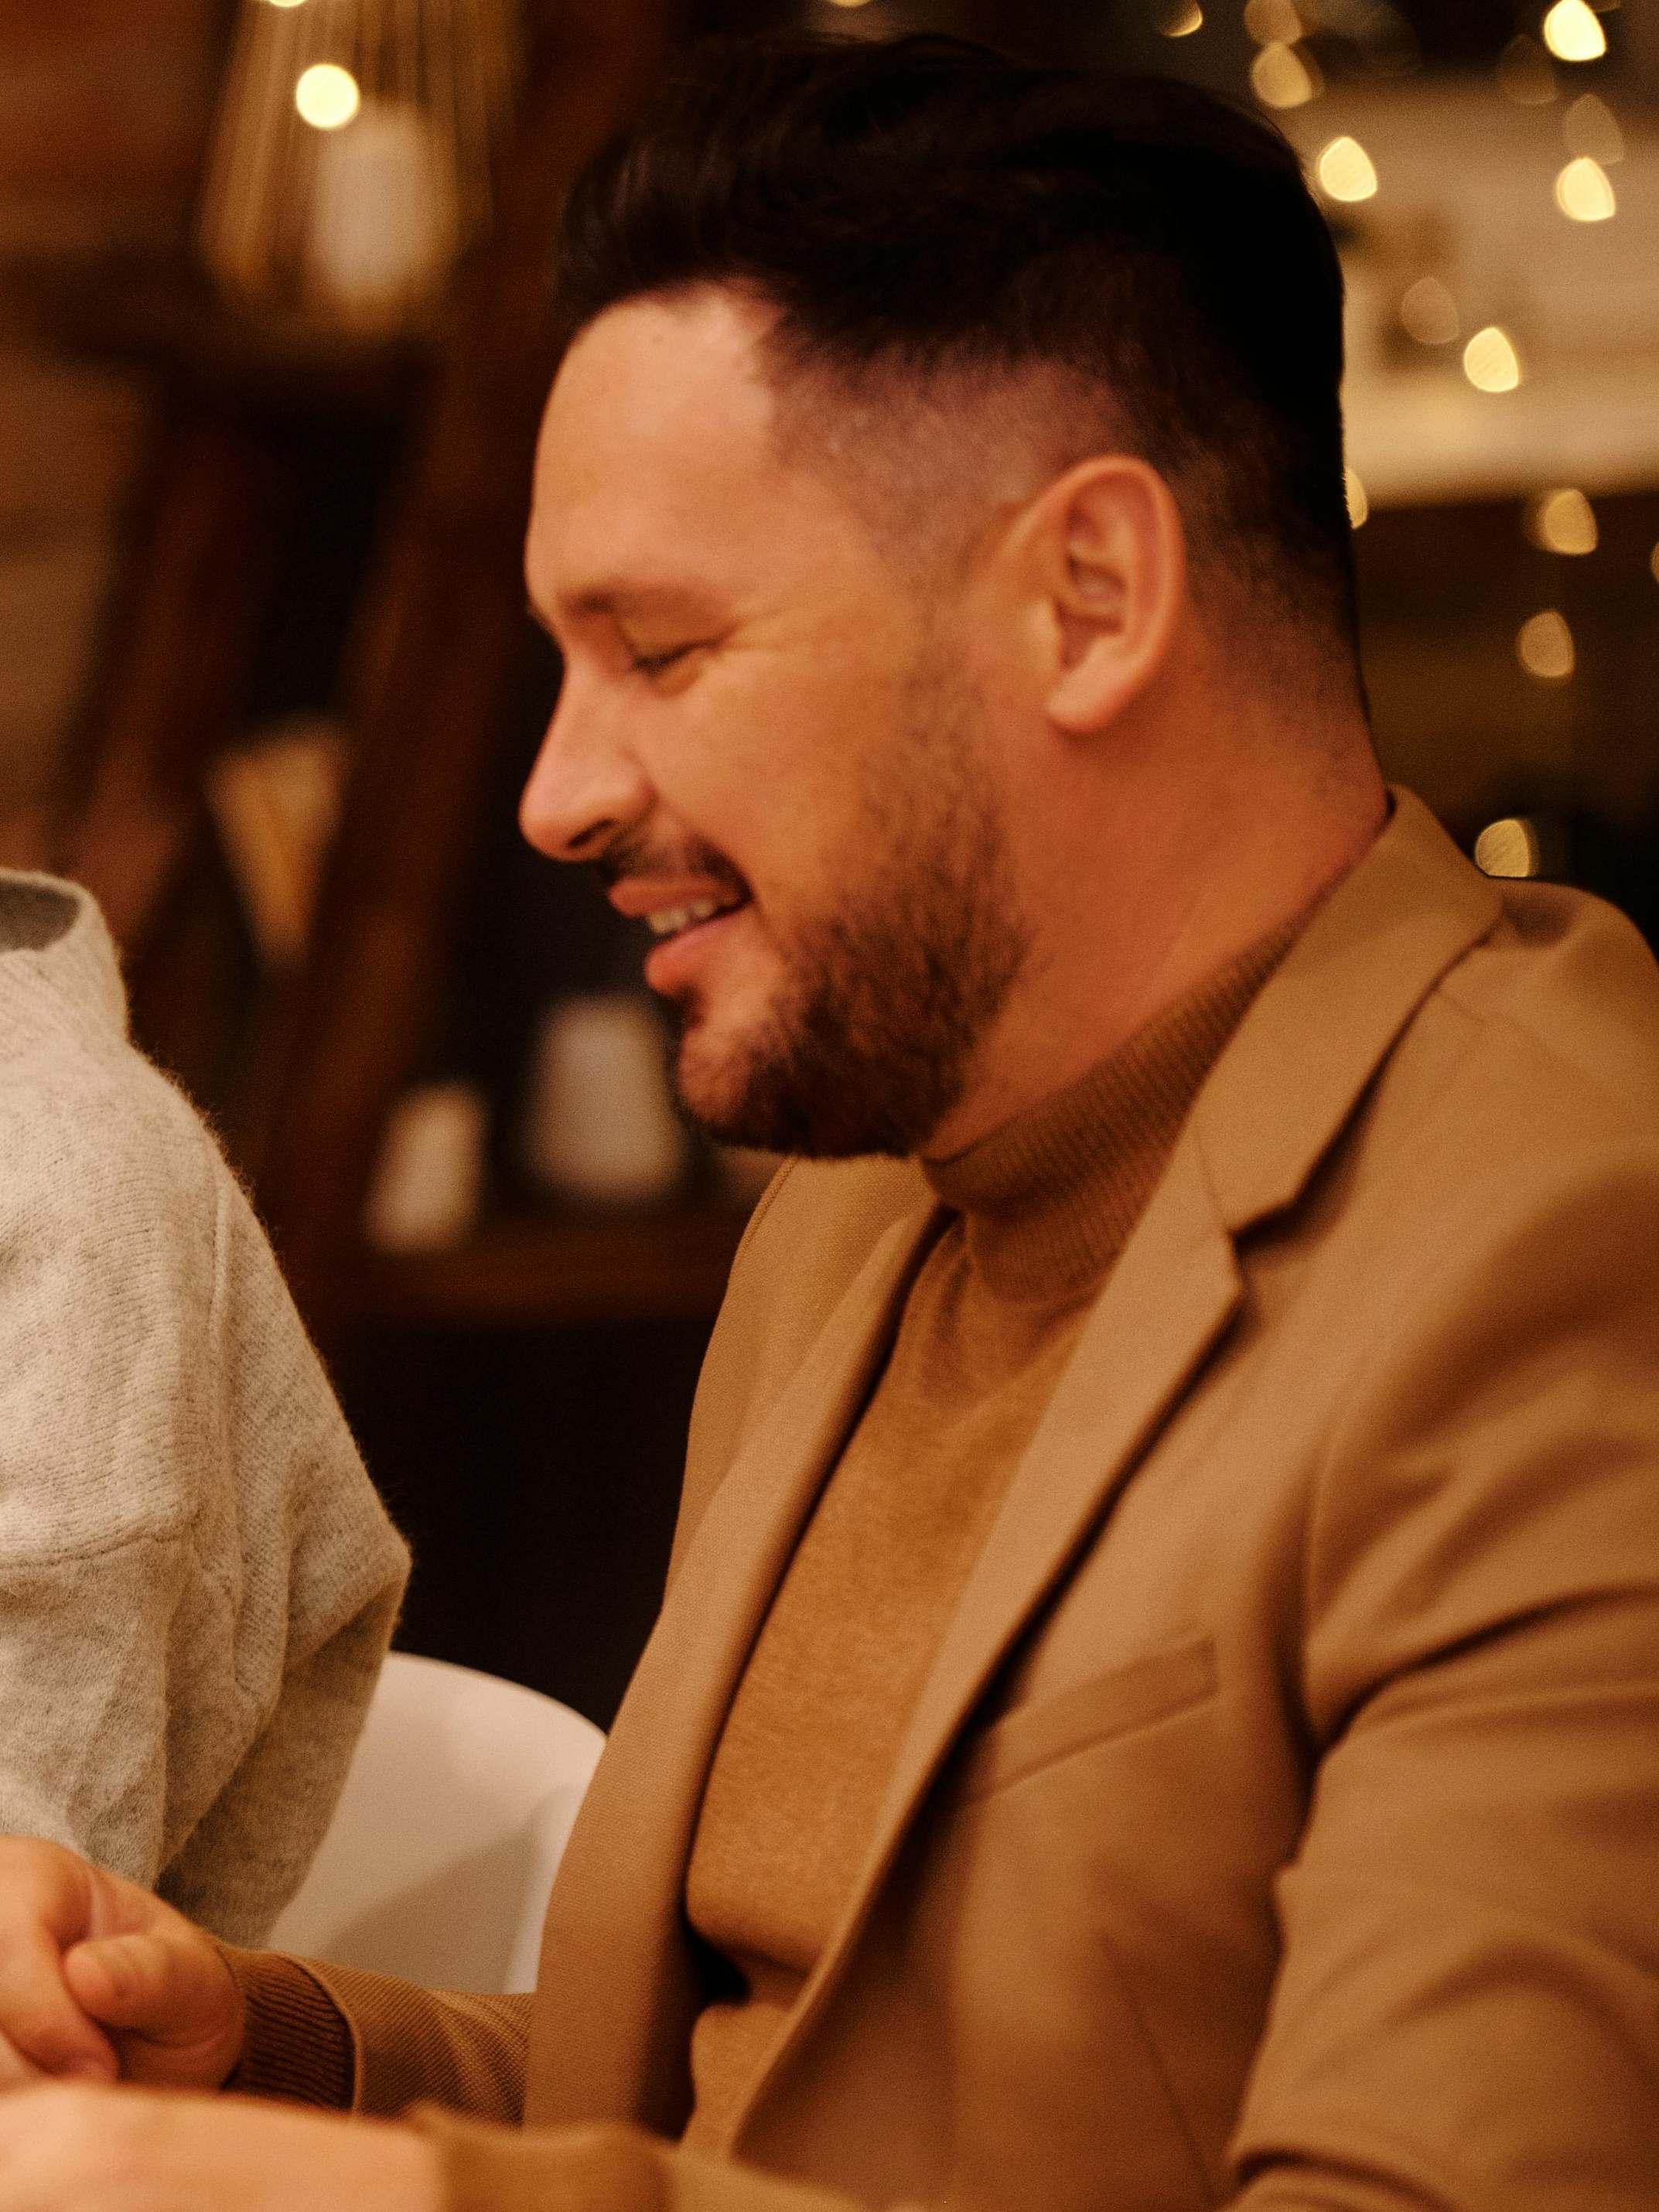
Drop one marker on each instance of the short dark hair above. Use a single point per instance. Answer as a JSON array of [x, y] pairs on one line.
[[927, 205]]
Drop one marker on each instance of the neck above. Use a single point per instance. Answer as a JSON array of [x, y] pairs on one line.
[[1159, 898]]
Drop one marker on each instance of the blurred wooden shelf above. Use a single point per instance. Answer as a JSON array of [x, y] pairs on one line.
[[550, 1271], [163, 313]]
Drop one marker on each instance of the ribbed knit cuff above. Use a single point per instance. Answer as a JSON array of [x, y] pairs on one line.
[[296, 2045], [584, 2169]]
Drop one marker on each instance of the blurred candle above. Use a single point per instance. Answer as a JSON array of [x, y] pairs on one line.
[[428, 1182], [600, 1125], [383, 218]]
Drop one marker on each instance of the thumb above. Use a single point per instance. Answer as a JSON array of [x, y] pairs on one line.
[[169, 1999]]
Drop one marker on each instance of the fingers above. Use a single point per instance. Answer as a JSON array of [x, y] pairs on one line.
[[169, 2000], [16, 2072], [42, 2024], [51, 1903]]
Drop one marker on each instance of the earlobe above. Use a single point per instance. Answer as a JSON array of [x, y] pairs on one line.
[[1116, 563]]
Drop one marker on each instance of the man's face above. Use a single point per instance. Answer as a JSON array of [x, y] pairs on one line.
[[768, 743]]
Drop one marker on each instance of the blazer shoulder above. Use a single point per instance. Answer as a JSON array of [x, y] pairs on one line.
[[1564, 994]]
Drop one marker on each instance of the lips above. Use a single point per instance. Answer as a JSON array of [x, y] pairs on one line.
[[676, 962]]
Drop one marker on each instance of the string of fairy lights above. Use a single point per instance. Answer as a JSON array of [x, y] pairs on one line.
[[1533, 71], [1285, 73]]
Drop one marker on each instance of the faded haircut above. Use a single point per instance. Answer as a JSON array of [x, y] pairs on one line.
[[930, 219]]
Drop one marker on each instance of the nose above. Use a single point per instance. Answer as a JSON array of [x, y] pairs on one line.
[[586, 789]]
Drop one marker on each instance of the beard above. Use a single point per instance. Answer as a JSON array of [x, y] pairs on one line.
[[870, 1040]]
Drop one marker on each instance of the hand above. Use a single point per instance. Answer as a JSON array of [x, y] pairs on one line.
[[78, 2148], [98, 1979]]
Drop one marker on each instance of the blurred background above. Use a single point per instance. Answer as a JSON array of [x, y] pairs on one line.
[[272, 348]]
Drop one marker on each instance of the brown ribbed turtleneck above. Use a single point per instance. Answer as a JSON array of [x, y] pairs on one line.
[[1038, 1213]]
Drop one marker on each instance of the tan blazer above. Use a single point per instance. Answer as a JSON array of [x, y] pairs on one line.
[[1280, 1820]]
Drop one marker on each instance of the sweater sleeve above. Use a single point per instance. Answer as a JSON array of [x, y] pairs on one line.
[[311, 1573], [338, 2036], [197, 1580]]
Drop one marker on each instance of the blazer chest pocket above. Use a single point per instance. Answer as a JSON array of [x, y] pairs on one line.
[[1154, 1688]]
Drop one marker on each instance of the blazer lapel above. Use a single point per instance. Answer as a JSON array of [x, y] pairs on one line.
[[1171, 1297], [611, 2038]]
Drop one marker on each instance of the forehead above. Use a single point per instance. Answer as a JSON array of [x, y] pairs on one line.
[[659, 446]]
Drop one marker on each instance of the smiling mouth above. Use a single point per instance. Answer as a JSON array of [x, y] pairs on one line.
[[672, 920]]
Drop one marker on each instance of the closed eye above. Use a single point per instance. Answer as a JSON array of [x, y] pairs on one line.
[[654, 664]]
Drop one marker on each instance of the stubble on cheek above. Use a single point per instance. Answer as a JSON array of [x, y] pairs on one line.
[[867, 1038]]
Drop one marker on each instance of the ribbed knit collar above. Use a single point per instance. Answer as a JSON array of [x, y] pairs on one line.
[[1049, 1199]]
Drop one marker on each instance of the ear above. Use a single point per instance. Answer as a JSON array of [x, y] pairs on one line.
[[1111, 561]]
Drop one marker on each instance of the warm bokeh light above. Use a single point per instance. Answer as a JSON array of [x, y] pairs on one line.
[[1490, 361], [1584, 190], [1589, 127], [1428, 313], [1572, 33], [848, 4], [1562, 521], [327, 95], [1359, 505], [1282, 78], [286, 4], [1345, 171], [1509, 847], [1544, 647], [1525, 74], [1181, 20], [1271, 22]]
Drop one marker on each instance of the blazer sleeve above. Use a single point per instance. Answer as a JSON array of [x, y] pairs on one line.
[[1466, 2009]]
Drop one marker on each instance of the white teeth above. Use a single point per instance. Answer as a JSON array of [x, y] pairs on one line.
[[671, 918]]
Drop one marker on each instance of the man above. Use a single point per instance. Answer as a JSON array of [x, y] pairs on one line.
[[196, 1579], [1154, 1703]]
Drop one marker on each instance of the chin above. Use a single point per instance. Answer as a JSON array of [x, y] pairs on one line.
[[769, 1101], [713, 1081]]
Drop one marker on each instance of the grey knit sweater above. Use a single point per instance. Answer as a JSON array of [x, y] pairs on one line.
[[196, 1579]]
